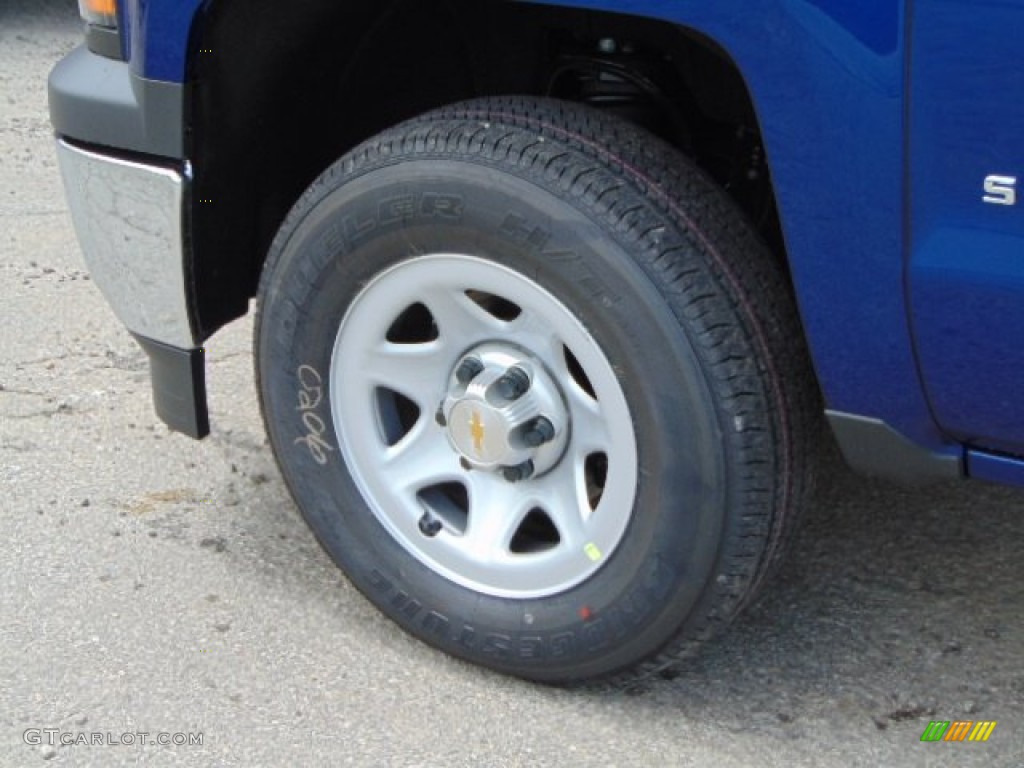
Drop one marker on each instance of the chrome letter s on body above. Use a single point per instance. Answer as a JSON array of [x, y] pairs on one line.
[[1000, 190]]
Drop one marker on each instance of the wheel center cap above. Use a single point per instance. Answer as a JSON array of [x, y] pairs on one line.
[[504, 412], [479, 432]]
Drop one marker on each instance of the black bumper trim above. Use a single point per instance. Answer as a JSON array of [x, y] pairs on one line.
[[99, 100], [179, 386], [103, 41], [872, 447]]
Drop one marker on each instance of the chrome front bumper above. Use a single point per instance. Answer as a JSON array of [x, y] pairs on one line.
[[128, 217]]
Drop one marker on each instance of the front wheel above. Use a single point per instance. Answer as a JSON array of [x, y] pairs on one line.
[[536, 387]]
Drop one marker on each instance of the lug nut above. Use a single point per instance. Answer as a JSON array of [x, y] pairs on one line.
[[468, 370], [439, 416], [538, 432], [518, 472], [430, 526], [513, 383]]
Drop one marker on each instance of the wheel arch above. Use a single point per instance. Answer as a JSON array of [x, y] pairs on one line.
[[274, 99]]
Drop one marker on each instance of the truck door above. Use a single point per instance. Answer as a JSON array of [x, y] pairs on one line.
[[965, 138]]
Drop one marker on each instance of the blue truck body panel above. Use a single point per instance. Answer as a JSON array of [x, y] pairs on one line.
[[158, 33], [967, 258]]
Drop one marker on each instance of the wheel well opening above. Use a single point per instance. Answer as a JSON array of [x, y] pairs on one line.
[[275, 98]]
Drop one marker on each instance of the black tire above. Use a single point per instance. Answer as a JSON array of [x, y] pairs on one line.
[[690, 310]]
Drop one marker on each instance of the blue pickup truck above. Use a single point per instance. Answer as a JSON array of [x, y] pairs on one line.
[[553, 300]]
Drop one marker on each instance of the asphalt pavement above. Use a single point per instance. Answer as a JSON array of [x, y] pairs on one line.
[[153, 585]]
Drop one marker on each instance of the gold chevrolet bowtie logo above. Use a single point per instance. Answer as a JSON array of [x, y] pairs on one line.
[[476, 430]]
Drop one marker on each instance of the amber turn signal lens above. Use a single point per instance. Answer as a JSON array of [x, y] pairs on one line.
[[100, 12], [102, 7]]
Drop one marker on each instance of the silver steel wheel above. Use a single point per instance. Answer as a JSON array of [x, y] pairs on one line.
[[483, 425]]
